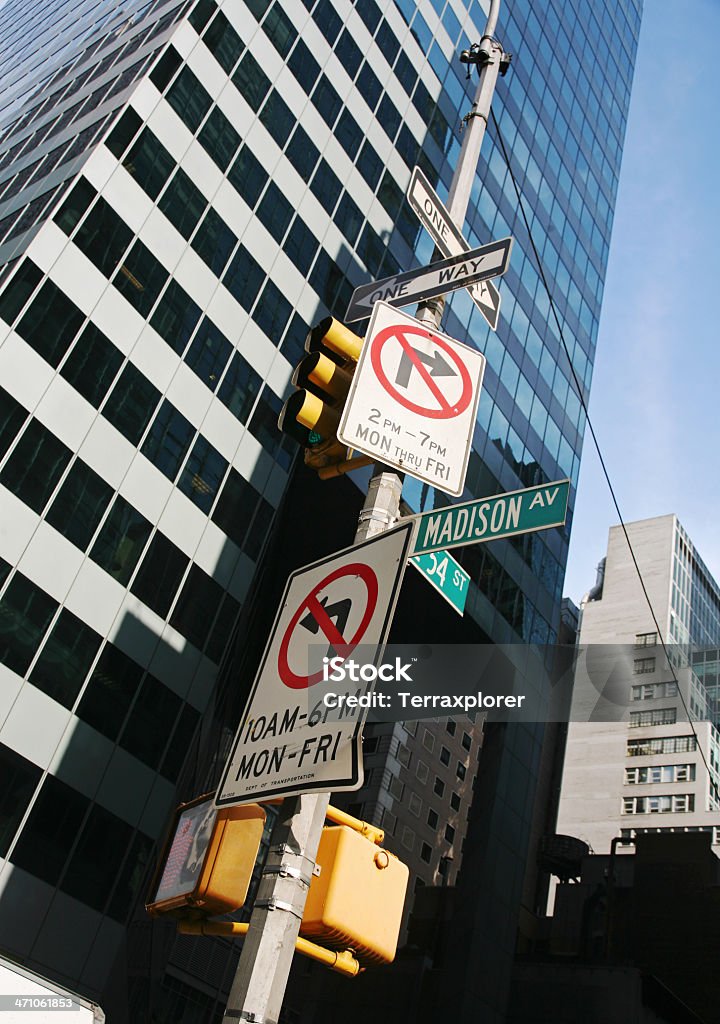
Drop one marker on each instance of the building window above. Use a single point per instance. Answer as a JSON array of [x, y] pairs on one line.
[[439, 787], [65, 658], [649, 774], [50, 831], [121, 540], [415, 804], [664, 716], [168, 440], [444, 756], [645, 639], [467, 741], [449, 834], [432, 818], [678, 804], [79, 505], [641, 666], [20, 777], [159, 575], [92, 365], [425, 853], [422, 771], [455, 801], [661, 745], [428, 740], [451, 727], [408, 837], [461, 770], [651, 691], [131, 404]]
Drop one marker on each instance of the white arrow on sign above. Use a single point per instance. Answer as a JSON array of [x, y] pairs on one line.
[[449, 240], [290, 740], [447, 275]]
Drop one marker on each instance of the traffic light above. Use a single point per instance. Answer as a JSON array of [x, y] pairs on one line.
[[208, 860], [356, 901], [312, 413]]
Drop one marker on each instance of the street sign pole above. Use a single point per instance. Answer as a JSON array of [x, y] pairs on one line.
[[259, 987]]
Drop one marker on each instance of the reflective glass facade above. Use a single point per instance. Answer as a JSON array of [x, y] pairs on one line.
[[184, 189]]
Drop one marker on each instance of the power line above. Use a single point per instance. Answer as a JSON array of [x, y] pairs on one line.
[[583, 404]]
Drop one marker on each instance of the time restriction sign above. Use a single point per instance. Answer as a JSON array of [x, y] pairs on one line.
[[413, 399]]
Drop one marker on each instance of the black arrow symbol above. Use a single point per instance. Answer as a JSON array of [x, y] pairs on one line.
[[338, 611], [439, 366]]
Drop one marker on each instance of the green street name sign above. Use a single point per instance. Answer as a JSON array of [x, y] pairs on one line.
[[501, 515], [446, 575]]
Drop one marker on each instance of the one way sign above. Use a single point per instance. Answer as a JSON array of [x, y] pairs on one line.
[[448, 275]]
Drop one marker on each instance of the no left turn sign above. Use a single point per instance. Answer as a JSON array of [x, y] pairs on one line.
[[287, 741], [413, 399]]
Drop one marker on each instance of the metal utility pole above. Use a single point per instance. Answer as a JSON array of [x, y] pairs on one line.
[[259, 986]]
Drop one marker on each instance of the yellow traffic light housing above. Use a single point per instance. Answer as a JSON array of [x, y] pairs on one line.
[[312, 413], [356, 901], [208, 860]]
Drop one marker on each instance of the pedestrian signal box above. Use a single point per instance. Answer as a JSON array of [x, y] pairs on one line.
[[208, 860], [356, 901]]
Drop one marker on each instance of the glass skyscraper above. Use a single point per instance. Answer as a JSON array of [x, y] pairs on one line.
[[185, 187]]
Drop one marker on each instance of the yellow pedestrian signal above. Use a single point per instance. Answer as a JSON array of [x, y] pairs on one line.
[[312, 413], [356, 901], [208, 860]]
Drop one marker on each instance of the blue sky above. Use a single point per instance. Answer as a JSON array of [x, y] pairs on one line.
[[655, 395]]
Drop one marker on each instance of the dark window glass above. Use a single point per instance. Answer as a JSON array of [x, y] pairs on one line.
[[168, 440], [236, 506], [304, 66], [189, 99], [275, 212], [202, 475], [258, 7], [272, 312], [349, 134], [214, 241], [97, 857], [407, 146], [293, 344], [278, 118], [388, 43], [80, 505], [449, 833], [103, 237], [197, 606], [35, 466], [75, 206], [131, 878], [209, 353], [390, 194], [244, 277], [223, 628], [279, 30], [451, 727], [439, 787], [370, 165], [12, 417], [455, 801], [175, 317], [25, 614], [159, 575], [50, 831], [20, 777], [369, 86], [224, 43], [131, 403], [301, 245], [432, 818], [444, 755], [425, 853], [50, 323], [423, 102], [141, 278], [348, 218], [112, 685], [202, 14], [389, 116], [180, 743], [92, 365], [467, 741], [183, 203], [19, 291], [121, 540], [240, 387], [371, 250], [302, 153], [248, 176], [149, 163], [251, 81], [348, 53], [123, 133], [219, 139], [65, 659], [326, 186], [439, 129], [460, 770], [165, 68], [263, 426], [151, 719], [327, 101], [369, 12], [326, 278], [327, 20], [259, 530], [405, 73]]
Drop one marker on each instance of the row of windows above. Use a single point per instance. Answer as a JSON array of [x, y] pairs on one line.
[[651, 691], [661, 745], [69, 842], [660, 773], [664, 716], [683, 802]]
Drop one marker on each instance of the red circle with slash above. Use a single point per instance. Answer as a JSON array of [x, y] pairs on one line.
[[326, 626], [399, 333]]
